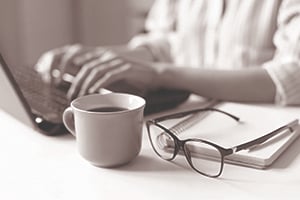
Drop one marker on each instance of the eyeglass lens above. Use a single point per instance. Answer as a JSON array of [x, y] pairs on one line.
[[203, 157], [162, 142]]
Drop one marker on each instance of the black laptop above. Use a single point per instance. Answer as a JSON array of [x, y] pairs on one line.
[[40, 105]]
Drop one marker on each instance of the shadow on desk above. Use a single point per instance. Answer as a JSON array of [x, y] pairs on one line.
[[149, 163], [145, 163], [288, 156]]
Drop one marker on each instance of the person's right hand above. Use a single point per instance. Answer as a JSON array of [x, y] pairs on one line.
[[53, 64]]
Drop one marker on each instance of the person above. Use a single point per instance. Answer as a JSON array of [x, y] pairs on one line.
[[244, 51]]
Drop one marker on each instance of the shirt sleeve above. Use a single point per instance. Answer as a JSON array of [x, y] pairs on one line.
[[160, 26], [284, 68]]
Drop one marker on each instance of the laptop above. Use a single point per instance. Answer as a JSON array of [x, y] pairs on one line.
[[40, 105]]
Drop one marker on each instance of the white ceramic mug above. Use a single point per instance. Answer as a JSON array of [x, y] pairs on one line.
[[106, 138]]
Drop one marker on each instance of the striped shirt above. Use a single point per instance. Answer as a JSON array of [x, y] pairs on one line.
[[229, 34]]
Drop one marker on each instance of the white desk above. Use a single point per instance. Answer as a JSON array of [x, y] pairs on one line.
[[35, 166]]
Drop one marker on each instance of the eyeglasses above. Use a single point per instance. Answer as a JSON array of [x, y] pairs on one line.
[[203, 156]]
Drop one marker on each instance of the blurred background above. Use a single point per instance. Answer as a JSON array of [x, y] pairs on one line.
[[30, 27]]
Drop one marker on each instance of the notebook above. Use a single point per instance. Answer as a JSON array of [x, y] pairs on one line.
[[37, 104], [255, 120]]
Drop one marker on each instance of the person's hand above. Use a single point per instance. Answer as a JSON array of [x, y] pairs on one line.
[[53, 64], [115, 67], [97, 67]]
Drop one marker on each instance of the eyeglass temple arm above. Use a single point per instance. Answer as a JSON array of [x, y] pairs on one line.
[[183, 114], [290, 126]]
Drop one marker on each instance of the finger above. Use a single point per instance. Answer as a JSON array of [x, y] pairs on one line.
[[97, 73], [48, 61], [105, 54], [109, 54], [67, 60], [89, 56], [81, 76], [133, 60], [111, 77]]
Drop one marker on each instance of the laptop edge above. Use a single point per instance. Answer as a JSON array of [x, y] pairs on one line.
[[14, 103]]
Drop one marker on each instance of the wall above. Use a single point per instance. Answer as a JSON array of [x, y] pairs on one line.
[[102, 22], [9, 41], [110, 21], [31, 27], [44, 25]]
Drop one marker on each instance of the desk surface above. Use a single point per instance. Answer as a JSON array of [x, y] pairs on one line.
[[35, 166]]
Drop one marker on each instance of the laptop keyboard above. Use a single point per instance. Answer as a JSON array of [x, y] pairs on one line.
[[49, 101], [44, 99]]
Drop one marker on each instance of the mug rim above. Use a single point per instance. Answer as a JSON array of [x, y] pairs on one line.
[[143, 103]]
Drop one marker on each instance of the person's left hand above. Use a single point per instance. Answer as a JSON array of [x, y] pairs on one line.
[[111, 68]]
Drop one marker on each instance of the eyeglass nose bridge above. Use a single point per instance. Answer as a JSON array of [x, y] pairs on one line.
[[179, 145]]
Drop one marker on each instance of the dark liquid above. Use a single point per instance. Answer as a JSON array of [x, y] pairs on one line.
[[107, 109]]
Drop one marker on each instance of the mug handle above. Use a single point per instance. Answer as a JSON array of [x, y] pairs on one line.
[[68, 119]]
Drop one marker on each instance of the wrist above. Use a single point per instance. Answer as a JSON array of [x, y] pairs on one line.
[[164, 75], [144, 52]]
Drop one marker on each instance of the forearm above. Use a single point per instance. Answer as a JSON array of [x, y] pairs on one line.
[[246, 85]]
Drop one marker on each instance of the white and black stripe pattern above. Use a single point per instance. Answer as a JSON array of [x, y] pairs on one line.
[[230, 34]]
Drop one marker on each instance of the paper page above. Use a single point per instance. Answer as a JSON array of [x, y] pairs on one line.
[[255, 121]]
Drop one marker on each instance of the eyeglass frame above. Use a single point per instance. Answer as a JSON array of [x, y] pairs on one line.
[[179, 144]]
